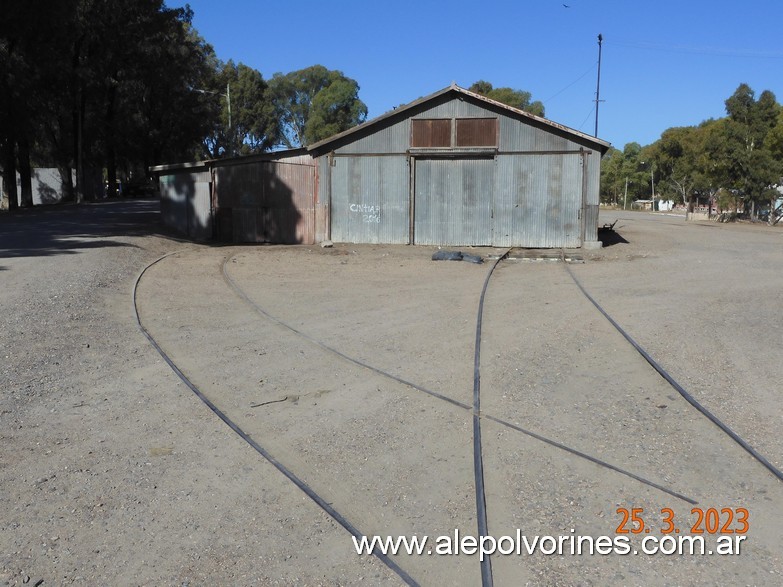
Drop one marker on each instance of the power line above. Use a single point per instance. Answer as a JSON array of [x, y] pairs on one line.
[[589, 114], [715, 51], [580, 78]]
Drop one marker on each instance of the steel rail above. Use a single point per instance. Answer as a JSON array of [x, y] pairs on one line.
[[299, 483], [680, 389], [464, 406], [478, 460]]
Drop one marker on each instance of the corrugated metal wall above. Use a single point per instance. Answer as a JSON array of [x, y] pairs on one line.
[[185, 203], [454, 201], [266, 202], [370, 199], [537, 201], [533, 194]]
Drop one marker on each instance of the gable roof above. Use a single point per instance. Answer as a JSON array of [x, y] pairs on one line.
[[601, 145]]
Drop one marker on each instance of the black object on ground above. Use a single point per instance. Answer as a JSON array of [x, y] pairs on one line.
[[456, 256]]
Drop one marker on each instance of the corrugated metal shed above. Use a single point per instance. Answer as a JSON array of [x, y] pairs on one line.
[[456, 168], [185, 201], [266, 198], [453, 168]]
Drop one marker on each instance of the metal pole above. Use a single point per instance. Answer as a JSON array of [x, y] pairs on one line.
[[598, 85], [652, 184]]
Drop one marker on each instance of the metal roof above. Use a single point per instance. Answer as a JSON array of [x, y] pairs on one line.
[[602, 145], [238, 160]]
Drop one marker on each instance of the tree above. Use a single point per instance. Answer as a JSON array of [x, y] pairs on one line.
[[612, 180], [98, 86], [626, 172], [518, 99], [252, 125], [32, 38], [677, 159], [334, 109], [632, 169], [743, 163], [314, 103], [774, 143]]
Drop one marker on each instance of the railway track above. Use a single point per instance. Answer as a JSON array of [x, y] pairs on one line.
[[474, 410]]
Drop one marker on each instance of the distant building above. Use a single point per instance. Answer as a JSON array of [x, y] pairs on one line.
[[47, 186]]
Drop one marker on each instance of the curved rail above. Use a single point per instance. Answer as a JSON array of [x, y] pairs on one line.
[[680, 389], [478, 460], [467, 407], [300, 484]]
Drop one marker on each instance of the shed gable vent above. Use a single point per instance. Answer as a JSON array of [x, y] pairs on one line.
[[449, 133], [477, 132], [431, 132]]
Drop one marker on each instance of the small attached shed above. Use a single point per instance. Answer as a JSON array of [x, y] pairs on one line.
[[456, 168], [267, 198]]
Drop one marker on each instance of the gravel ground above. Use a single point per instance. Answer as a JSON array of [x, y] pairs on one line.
[[113, 473]]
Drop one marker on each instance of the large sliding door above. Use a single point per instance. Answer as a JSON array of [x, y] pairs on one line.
[[453, 201]]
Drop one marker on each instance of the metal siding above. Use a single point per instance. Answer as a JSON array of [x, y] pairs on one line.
[[593, 196], [173, 204], [200, 217], [270, 201], [457, 109], [394, 138], [516, 135], [537, 201], [370, 200], [185, 203], [454, 201], [323, 199]]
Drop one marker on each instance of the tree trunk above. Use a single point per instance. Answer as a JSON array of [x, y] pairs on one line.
[[9, 173], [66, 180], [774, 212], [25, 172], [111, 155], [79, 147]]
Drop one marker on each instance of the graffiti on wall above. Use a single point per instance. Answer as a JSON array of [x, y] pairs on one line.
[[368, 213]]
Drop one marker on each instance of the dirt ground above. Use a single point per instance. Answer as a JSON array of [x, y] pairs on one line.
[[112, 472]]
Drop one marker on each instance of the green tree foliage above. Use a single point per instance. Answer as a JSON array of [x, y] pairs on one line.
[[625, 175], [735, 159], [742, 161], [679, 163], [313, 104], [515, 98], [774, 143], [240, 91], [31, 32], [98, 85], [612, 180]]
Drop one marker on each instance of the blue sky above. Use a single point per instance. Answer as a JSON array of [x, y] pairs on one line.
[[664, 63]]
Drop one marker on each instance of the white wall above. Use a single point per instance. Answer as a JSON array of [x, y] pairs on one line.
[[47, 185]]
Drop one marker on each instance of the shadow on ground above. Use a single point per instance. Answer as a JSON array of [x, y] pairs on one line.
[[610, 237], [63, 230]]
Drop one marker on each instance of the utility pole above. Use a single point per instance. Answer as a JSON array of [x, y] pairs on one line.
[[652, 185], [598, 85]]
